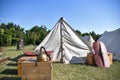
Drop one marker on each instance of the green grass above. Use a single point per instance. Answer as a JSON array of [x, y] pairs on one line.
[[8, 69]]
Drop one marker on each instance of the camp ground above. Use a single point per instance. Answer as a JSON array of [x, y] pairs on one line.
[[59, 40], [72, 58]]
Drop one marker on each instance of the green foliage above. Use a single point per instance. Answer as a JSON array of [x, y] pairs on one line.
[[2, 31], [78, 32], [1, 40], [93, 34], [10, 33], [3, 26], [36, 34], [85, 34], [9, 40]]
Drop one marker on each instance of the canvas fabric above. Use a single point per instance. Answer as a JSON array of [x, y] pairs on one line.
[[111, 40], [66, 45], [89, 40]]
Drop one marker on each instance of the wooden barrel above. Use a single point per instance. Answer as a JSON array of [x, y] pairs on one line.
[[110, 58], [90, 59]]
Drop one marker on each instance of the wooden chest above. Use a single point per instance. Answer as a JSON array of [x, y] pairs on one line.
[[19, 63], [36, 71]]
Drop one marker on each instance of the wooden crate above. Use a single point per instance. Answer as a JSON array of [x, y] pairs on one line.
[[19, 63], [39, 71]]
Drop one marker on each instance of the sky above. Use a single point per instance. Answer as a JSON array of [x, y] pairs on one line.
[[82, 15]]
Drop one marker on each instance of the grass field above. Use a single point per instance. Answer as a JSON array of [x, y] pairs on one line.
[[8, 69]]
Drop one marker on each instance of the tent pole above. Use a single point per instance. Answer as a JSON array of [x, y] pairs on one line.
[[61, 46]]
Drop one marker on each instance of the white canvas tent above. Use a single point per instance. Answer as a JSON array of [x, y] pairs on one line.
[[112, 42], [66, 45], [89, 40]]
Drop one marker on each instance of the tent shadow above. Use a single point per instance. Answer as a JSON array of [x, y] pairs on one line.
[[10, 78], [75, 59], [9, 71], [12, 64], [16, 58], [3, 59]]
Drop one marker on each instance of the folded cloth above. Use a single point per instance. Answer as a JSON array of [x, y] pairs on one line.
[[97, 57], [105, 55], [30, 53], [101, 55]]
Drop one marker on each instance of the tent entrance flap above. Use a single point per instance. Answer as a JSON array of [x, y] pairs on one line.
[[61, 46]]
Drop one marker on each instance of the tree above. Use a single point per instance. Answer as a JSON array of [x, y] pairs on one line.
[[2, 31], [9, 40], [94, 35], [36, 34], [3, 26], [78, 32], [85, 34], [9, 33]]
